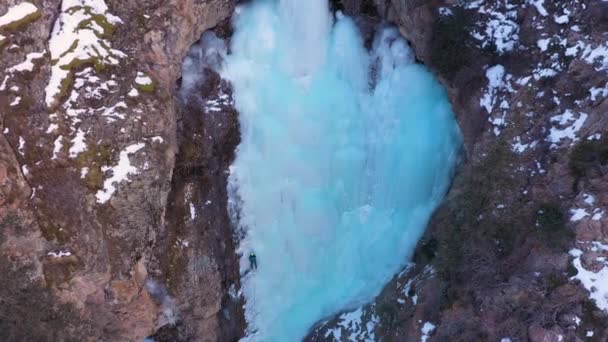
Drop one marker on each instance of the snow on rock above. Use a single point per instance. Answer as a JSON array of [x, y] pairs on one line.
[[502, 31], [597, 56], [543, 44], [520, 147], [133, 92], [79, 36], [427, 329], [595, 282], [351, 323], [143, 79], [78, 144], [496, 81], [192, 212], [16, 101], [21, 146], [578, 214], [25, 170], [58, 145], [120, 173], [28, 64], [19, 13], [539, 5], [571, 125], [59, 254]]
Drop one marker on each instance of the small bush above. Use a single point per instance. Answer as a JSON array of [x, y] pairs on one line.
[[388, 314], [589, 157], [449, 43], [551, 225]]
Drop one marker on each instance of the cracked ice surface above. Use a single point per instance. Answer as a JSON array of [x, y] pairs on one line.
[[334, 182]]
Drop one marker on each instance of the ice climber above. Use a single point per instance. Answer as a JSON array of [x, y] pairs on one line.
[[253, 261]]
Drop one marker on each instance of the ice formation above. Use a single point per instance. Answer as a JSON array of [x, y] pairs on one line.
[[344, 155]]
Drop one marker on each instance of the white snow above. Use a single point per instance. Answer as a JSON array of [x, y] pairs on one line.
[[543, 44], [589, 199], [589, 333], [352, 322], [495, 77], [120, 173], [71, 40], [18, 13], [539, 4], [28, 64], [597, 215], [158, 139], [58, 146], [25, 170], [598, 92], [597, 56], [21, 145], [133, 92], [84, 172], [78, 144], [500, 30], [520, 147], [569, 132], [16, 101], [142, 79], [3, 85], [595, 283], [52, 128], [192, 212], [505, 339], [59, 254], [578, 214], [562, 19], [111, 113], [427, 329]]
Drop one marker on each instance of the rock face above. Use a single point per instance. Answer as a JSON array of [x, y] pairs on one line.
[[94, 241], [517, 252]]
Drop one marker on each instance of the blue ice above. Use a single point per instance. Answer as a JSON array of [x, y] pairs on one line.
[[345, 153]]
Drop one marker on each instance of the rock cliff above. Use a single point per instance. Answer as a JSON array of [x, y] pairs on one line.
[[95, 242]]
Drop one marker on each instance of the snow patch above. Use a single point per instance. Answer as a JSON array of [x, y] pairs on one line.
[[59, 254], [572, 126], [539, 5], [18, 13], [578, 214], [352, 322], [597, 56], [143, 79], [79, 36], [192, 212], [595, 282], [58, 145], [427, 329], [78, 144], [28, 64], [120, 173]]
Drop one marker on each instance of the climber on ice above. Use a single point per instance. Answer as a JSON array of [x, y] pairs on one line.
[[253, 261]]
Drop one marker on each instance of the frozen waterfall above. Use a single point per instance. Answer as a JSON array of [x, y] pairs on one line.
[[345, 154]]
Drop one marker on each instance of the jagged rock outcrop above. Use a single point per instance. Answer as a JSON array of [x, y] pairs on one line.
[[517, 252], [89, 119]]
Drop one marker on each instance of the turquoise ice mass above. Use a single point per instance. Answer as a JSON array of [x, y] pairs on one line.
[[345, 154]]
